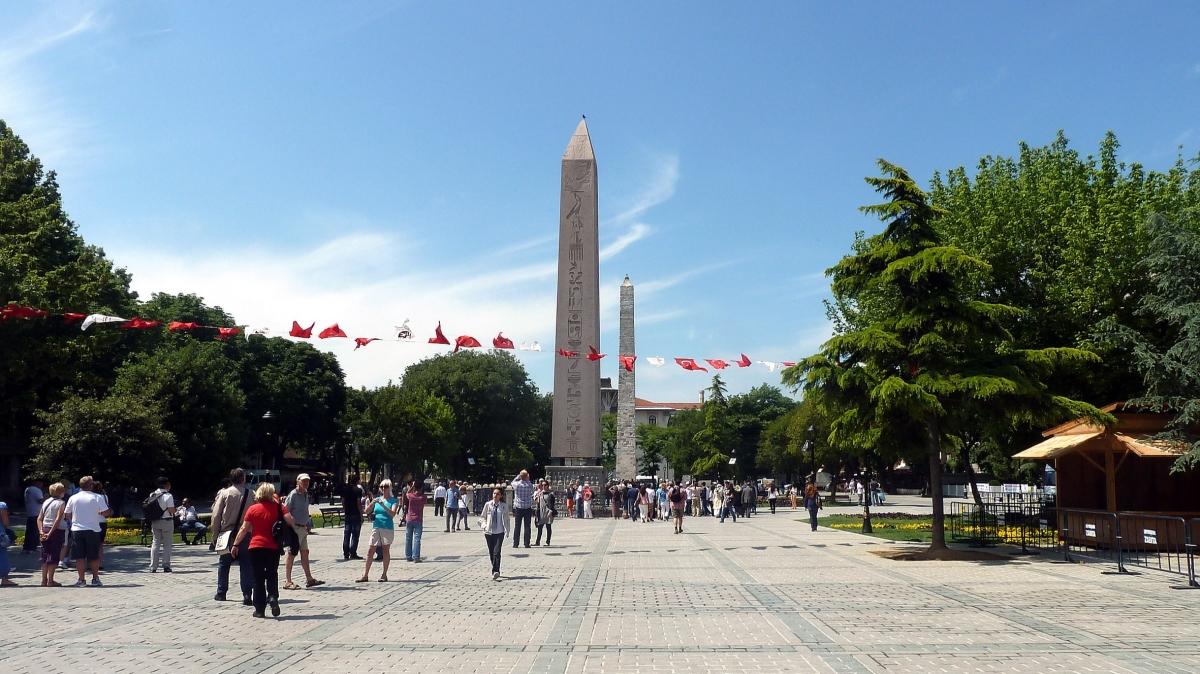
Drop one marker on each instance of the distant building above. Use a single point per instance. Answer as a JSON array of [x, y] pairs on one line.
[[660, 414]]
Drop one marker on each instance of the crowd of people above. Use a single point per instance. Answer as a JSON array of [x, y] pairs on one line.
[[257, 528]]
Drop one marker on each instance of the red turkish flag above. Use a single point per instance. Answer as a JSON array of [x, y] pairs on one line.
[[331, 331], [568, 354], [593, 354], [224, 334], [73, 318], [789, 363], [363, 341], [690, 364], [136, 323], [502, 342], [17, 311], [438, 337], [717, 363], [176, 326], [744, 362], [465, 342], [302, 333], [627, 362]]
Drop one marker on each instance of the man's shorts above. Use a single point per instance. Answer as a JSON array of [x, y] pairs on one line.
[[85, 545], [302, 536], [382, 537]]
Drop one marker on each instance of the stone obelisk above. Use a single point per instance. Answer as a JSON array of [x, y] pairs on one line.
[[626, 391], [575, 436]]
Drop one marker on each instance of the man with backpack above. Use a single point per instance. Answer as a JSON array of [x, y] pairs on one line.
[[678, 499], [227, 513], [159, 511]]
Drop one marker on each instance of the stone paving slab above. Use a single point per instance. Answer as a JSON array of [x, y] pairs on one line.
[[762, 594]]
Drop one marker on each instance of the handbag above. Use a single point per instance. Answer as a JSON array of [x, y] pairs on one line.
[[282, 532], [224, 541]]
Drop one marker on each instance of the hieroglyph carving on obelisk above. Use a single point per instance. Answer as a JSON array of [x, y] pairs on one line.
[[575, 436]]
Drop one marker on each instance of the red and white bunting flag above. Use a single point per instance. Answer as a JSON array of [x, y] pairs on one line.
[[136, 323], [332, 331], [788, 363], [770, 364], [93, 319], [627, 362], [363, 341], [502, 342], [465, 342], [70, 318], [302, 333], [178, 326], [717, 363], [744, 362], [656, 361], [12, 310], [438, 337], [403, 332], [690, 364], [532, 346], [224, 334], [568, 354], [593, 354]]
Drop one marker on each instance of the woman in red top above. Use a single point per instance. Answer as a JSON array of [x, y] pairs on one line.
[[257, 524]]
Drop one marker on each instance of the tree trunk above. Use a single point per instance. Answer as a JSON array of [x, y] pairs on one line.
[[935, 486], [966, 457], [866, 528]]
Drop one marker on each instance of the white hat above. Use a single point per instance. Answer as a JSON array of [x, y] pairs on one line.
[[302, 477]]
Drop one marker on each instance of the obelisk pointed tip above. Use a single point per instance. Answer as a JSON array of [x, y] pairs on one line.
[[627, 283], [580, 146]]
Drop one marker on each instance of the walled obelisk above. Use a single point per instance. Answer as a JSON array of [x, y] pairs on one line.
[[575, 435], [626, 391]]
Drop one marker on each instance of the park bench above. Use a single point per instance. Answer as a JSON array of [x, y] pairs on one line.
[[331, 516], [146, 537]]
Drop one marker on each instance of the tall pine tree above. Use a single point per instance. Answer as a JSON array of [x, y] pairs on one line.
[[931, 356]]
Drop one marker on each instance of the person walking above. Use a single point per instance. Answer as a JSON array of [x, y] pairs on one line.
[[85, 510], [34, 495], [661, 508], [731, 505], [98, 488], [228, 510], [382, 510], [772, 498], [643, 504], [296, 503], [466, 501], [522, 506], [569, 499], [544, 512], [439, 500], [579, 500], [452, 496], [159, 509], [631, 500], [258, 527], [5, 566], [678, 499], [352, 509], [53, 532], [749, 498], [812, 502], [588, 495], [614, 493], [494, 523], [414, 521]]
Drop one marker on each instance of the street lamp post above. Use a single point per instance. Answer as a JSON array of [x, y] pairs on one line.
[[812, 452]]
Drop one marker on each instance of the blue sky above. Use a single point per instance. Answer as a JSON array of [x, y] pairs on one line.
[[370, 162]]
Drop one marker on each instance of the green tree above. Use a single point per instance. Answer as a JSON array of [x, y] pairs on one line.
[[194, 387], [1168, 356], [608, 441], [936, 354], [749, 414], [407, 429], [681, 450], [1063, 236], [46, 264], [118, 439], [653, 442], [715, 440], [493, 401]]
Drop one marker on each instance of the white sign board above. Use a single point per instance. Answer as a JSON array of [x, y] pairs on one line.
[[1089, 530], [1150, 536]]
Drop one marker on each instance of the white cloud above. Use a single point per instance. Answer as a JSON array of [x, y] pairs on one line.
[[47, 122]]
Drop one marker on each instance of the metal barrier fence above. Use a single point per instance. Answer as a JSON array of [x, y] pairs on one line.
[[1125, 539]]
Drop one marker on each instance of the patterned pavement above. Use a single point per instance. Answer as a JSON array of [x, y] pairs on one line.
[[762, 594]]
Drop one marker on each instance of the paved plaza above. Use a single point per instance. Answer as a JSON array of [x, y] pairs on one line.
[[763, 595]]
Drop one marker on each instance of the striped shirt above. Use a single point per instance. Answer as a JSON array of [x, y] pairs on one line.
[[522, 493]]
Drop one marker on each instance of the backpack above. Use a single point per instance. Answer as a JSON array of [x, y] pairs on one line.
[[675, 495], [285, 537], [150, 507]]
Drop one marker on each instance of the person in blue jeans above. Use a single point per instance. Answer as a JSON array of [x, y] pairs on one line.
[[414, 521], [729, 508]]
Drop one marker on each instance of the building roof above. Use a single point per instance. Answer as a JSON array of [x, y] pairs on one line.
[[643, 404]]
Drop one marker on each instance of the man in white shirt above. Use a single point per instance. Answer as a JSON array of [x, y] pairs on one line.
[[189, 521], [86, 508], [162, 527], [439, 500], [33, 505]]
